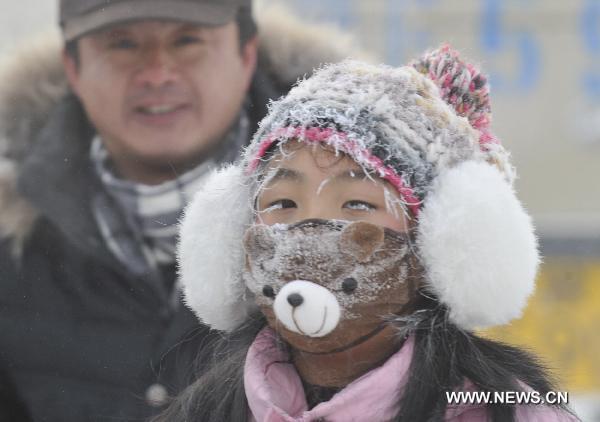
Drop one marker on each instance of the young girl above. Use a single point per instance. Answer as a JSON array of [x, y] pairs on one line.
[[371, 226]]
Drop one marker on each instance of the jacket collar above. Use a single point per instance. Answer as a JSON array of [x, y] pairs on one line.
[[275, 393]]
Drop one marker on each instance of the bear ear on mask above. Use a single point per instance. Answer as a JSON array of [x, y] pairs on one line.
[[258, 242], [361, 239]]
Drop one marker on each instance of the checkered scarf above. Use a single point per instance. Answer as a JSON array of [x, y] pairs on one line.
[[139, 222]]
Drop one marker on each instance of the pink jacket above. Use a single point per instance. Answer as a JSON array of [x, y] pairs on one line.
[[275, 392]]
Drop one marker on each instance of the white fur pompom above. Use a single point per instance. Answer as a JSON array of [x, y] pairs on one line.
[[210, 252], [478, 246]]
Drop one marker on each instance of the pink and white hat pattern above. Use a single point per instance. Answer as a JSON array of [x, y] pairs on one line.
[[395, 123]]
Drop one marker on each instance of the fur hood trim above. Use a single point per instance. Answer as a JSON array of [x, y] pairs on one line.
[[32, 81]]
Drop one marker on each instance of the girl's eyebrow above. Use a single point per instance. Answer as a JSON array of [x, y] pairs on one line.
[[353, 175], [283, 173]]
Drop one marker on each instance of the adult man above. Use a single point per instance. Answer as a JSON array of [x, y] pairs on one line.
[[93, 179]]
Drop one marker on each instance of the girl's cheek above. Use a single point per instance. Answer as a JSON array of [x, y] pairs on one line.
[[262, 219], [385, 219], [270, 218], [398, 223]]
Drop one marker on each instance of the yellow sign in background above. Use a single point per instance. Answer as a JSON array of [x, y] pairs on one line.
[[562, 322]]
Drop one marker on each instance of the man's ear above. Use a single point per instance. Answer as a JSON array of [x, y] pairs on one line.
[[71, 67], [249, 58]]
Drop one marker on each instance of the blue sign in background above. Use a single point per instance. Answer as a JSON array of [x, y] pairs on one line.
[[496, 40]]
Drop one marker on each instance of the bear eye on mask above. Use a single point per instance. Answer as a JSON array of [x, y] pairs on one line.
[[326, 284]]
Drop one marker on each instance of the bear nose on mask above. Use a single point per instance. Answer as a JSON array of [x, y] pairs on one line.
[[307, 308], [295, 299]]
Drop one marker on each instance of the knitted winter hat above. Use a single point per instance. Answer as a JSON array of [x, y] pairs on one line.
[[425, 129]]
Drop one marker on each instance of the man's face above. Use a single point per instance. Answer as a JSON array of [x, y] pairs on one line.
[[161, 93]]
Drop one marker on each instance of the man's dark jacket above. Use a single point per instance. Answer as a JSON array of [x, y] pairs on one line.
[[84, 339]]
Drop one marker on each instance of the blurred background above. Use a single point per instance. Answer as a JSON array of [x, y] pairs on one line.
[[543, 58]]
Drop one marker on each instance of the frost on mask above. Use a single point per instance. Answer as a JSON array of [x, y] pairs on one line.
[[325, 285]]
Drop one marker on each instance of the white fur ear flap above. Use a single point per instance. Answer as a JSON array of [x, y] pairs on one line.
[[210, 253], [478, 246]]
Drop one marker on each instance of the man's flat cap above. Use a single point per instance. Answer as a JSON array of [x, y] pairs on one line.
[[80, 17]]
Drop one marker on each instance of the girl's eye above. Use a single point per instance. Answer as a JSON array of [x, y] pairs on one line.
[[123, 44], [359, 205], [281, 204]]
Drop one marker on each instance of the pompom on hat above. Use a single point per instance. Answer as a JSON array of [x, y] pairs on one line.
[[424, 128]]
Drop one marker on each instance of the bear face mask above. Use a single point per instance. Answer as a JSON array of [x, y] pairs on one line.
[[326, 286]]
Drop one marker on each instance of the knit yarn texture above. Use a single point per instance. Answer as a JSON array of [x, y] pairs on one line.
[[394, 115]]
